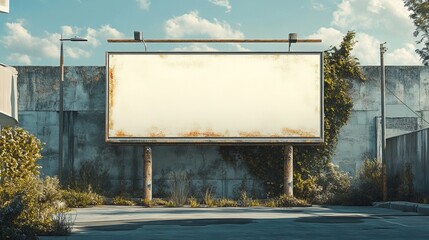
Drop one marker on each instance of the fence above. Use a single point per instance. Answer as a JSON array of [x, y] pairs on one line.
[[413, 149]]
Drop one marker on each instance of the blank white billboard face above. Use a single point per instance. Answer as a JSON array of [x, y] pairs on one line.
[[224, 98]]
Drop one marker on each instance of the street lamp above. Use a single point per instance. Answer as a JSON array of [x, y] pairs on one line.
[[61, 104]]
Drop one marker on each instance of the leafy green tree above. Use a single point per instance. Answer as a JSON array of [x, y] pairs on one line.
[[266, 162], [419, 13]]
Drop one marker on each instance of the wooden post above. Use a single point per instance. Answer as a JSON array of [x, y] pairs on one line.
[[288, 170], [147, 183]]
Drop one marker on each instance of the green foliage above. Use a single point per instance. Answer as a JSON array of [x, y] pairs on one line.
[[92, 174], [224, 202], [120, 200], [180, 188], [368, 184], [420, 15], [401, 186], [8, 218], [334, 186], [406, 186], [19, 153], [193, 202], [76, 199], [286, 201], [41, 200], [265, 162], [208, 198]]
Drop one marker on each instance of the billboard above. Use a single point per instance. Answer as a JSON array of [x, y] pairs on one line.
[[214, 97], [8, 96], [4, 6]]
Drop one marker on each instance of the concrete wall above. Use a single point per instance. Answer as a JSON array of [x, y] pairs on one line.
[[84, 136], [411, 148], [406, 86], [85, 127]]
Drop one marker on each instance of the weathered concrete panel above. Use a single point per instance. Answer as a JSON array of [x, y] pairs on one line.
[[404, 84], [411, 148], [85, 127]]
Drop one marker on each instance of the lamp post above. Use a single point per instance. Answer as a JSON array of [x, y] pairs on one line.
[[61, 104]]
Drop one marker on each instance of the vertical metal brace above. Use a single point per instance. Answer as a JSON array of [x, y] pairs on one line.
[[138, 36], [293, 38]]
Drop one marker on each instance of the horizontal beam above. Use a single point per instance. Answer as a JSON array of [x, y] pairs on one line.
[[213, 41]]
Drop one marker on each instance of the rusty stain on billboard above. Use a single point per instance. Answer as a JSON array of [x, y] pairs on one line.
[[214, 98], [111, 95]]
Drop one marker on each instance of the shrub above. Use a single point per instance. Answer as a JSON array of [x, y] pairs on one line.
[[193, 202], [288, 201], [208, 198], [180, 188], [90, 174], [40, 200], [120, 200], [19, 153], [405, 190], [368, 184], [334, 186], [223, 202], [76, 199]]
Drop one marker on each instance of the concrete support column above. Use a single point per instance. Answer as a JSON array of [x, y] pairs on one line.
[[147, 174], [288, 170]]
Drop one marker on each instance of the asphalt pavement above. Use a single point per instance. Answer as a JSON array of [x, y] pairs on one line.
[[317, 222]]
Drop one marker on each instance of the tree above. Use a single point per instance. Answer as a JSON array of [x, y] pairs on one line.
[[420, 15], [265, 162]]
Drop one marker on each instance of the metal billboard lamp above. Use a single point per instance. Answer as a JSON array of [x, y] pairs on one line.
[[293, 38], [61, 103]]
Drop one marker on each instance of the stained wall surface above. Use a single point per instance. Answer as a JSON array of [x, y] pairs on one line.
[[407, 99]]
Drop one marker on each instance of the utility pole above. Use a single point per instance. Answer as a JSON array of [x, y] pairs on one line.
[[383, 49]]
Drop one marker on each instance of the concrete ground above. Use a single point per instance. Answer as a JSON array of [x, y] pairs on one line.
[[121, 222]]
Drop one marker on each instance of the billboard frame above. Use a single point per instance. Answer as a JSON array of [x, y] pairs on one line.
[[216, 140]]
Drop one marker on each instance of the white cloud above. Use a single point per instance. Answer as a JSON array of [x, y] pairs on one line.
[[403, 56], [192, 24], [195, 48], [104, 32], [19, 58], [26, 48], [367, 48], [23, 44], [144, 4], [329, 36], [370, 14], [222, 3], [386, 19]]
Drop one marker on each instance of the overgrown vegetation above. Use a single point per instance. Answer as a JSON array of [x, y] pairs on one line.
[[180, 189], [368, 184], [310, 162], [78, 199], [123, 201], [29, 205], [90, 174]]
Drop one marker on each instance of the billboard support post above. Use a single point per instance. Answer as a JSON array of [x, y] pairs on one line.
[[147, 174], [288, 170]]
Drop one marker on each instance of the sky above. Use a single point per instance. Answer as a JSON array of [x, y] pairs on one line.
[[30, 32]]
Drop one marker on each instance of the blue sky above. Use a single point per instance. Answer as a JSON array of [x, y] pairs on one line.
[[30, 33]]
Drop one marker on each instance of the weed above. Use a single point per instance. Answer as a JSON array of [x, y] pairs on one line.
[[120, 200], [208, 198], [193, 202], [223, 202]]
